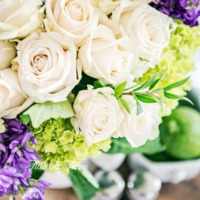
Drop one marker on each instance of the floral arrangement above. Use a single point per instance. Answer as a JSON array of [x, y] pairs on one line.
[[77, 76]]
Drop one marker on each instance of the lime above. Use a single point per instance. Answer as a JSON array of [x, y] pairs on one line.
[[180, 132]]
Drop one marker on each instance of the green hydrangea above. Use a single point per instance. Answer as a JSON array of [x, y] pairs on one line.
[[176, 61], [61, 148]]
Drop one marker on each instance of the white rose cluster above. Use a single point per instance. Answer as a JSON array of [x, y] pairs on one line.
[[45, 54], [19, 19], [99, 116]]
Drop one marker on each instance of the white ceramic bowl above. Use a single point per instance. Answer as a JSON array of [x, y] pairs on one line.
[[109, 162], [171, 172], [59, 180]]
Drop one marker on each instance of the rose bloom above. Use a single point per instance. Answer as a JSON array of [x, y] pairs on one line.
[[97, 113], [73, 18], [47, 66], [11, 95], [106, 6], [19, 18], [104, 57], [147, 28], [8, 53], [137, 129]]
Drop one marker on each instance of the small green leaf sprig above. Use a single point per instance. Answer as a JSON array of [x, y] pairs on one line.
[[146, 93]]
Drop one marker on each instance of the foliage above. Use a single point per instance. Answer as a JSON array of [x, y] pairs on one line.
[[84, 184], [121, 145]]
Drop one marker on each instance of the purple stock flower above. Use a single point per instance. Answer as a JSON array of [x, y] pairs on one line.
[[14, 148], [1, 191], [16, 131], [37, 191], [3, 155], [186, 10], [15, 157], [10, 179], [41, 185], [33, 194]]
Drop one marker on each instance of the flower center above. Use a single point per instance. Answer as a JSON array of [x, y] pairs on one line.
[[150, 32], [75, 11], [39, 62], [101, 121]]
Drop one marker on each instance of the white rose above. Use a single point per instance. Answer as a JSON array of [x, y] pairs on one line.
[[8, 53], [147, 28], [19, 18], [104, 57], [11, 95], [106, 6], [145, 1], [97, 113], [47, 66], [74, 18], [139, 128]]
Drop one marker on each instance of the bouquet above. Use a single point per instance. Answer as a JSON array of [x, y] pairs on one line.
[[78, 78]]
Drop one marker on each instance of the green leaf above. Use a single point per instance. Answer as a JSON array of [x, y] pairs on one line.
[[83, 185], [146, 98], [143, 59], [25, 119], [188, 100], [21, 190], [125, 104], [40, 113], [98, 84], [177, 84], [154, 83], [2, 126], [139, 107], [145, 85], [121, 145], [120, 89], [83, 84], [171, 96], [158, 99], [138, 104], [132, 87], [36, 171], [87, 174]]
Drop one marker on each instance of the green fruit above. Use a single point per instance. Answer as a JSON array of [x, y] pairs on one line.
[[180, 132]]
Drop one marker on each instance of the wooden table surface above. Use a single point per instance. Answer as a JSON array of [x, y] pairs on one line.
[[188, 190]]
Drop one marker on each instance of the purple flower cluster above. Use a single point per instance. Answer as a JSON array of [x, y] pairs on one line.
[[10, 179], [37, 191], [16, 158], [187, 11]]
